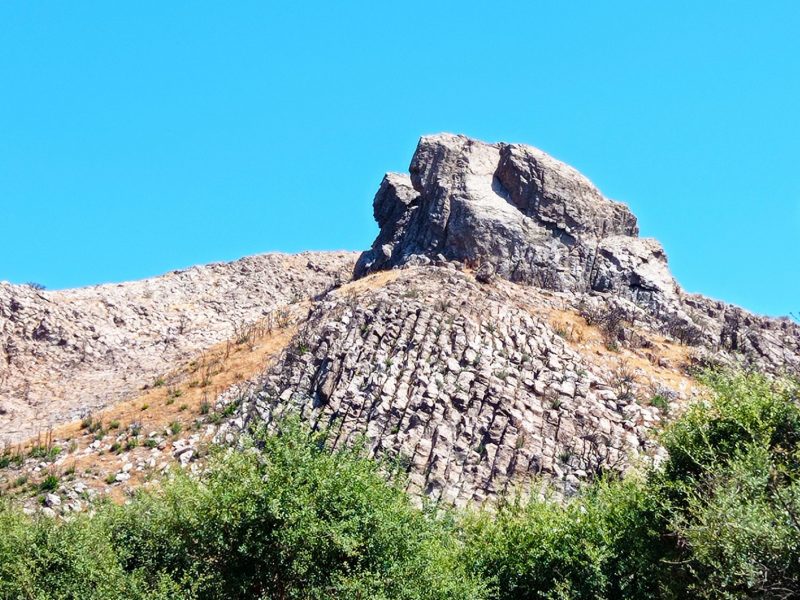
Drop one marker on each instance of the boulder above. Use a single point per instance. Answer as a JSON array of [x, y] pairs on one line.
[[517, 213]]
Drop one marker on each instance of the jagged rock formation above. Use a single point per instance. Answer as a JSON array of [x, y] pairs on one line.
[[65, 353], [508, 323], [470, 391], [515, 212], [532, 218]]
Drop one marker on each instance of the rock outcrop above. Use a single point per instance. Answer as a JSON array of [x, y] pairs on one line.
[[512, 211], [532, 218], [473, 394]]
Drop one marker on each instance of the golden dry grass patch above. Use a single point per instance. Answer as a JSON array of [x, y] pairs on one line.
[[177, 396], [588, 340]]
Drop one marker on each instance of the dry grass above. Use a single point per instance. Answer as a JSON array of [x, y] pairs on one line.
[[370, 282], [178, 396], [589, 341]]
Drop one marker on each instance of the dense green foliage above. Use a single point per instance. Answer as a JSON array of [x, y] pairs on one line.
[[720, 519], [604, 544], [291, 520], [732, 486]]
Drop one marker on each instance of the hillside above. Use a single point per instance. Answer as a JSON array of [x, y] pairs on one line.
[[64, 354], [508, 325]]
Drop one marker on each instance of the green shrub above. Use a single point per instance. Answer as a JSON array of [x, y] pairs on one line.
[[43, 558], [733, 481], [230, 409], [661, 402], [49, 483], [292, 521], [605, 543]]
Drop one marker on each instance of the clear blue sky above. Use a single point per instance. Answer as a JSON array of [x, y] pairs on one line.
[[140, 137]]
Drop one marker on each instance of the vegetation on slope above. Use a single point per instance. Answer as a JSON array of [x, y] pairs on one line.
[[720, 519]]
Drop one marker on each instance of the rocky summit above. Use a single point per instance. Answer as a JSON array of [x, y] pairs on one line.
[[518, 212], [512, 211], [507, 326]]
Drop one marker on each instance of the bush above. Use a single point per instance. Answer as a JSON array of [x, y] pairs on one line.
[[49, 483], [291, 521], [661, 402], [605, 543], [286, 518], [733, 480], [43, 558]]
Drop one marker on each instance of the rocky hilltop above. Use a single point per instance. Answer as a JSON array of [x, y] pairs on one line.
[[512, 211], [467, 367], [507, 325]]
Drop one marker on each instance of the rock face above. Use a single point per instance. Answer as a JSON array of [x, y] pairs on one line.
[[66, 353], [532, 218], [512, 211], [508, 324], [471, 393]]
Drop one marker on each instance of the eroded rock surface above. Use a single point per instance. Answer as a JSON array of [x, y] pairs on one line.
[[470, 391], [66, 353], [535, 219], [511, 211]]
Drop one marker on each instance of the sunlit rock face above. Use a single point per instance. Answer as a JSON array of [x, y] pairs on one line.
[[521, 213], [511, 211]]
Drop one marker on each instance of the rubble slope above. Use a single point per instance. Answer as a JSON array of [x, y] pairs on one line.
[[66, 353]]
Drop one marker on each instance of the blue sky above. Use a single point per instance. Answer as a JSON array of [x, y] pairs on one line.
[[141, 137]]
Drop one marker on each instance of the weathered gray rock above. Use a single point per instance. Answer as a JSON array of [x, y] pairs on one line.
[[533, 218], [474, 395], [512, 211], [64, 353]]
